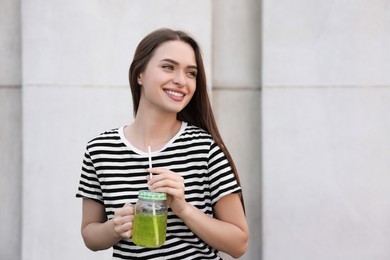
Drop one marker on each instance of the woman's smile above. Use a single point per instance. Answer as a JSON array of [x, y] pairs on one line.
[[174, 94]]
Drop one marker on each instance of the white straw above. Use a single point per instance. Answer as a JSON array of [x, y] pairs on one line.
[[155, 225], [150, 160], [153, 206]]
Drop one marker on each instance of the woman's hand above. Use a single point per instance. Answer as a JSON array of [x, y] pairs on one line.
[[170, 183], [123, 221], [226, 231]]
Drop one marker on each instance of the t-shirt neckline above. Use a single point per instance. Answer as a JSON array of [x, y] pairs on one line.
[[140, 152]]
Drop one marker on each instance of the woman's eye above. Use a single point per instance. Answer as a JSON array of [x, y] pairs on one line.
[[192, 74], [167, 67]]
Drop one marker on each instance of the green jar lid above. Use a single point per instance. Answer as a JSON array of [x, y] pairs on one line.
[[150, 195]]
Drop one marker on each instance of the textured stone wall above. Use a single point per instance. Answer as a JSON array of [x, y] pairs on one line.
[[10, 130], [300, 90], [236, 99], [326, 124]]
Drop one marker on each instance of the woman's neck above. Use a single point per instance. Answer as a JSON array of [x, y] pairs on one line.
[[152, 130]]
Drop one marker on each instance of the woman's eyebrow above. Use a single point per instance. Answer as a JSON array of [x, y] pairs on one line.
[[177, 63]]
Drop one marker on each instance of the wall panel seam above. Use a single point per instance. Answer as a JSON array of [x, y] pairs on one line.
[[237, 88], [10, 86], [324, 86]]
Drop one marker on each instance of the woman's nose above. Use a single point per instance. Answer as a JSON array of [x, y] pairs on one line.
[[179, 79]]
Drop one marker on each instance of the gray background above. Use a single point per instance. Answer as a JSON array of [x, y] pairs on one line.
[[301, 92]]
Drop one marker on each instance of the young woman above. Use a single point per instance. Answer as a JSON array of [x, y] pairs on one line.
[[172, 115]]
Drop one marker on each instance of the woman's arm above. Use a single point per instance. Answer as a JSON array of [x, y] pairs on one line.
[[227, 232], [98, 232]]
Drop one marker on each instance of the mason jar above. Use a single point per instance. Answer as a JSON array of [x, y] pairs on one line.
[[150, 219]]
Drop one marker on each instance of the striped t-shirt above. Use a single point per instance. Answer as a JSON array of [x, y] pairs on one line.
[[114, 171]]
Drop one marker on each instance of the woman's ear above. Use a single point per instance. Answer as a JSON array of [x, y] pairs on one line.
[[139, 79]]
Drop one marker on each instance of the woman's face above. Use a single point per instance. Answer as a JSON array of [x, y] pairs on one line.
[[169, 80]]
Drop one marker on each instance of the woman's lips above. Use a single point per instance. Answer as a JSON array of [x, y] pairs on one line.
[[175, 95]]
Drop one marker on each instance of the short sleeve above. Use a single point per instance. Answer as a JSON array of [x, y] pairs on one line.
[[89, 186], [221, 176]]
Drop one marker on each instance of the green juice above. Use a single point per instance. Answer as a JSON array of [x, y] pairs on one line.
[[149, 230]]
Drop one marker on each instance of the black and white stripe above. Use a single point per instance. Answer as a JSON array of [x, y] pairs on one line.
[[114, 171]]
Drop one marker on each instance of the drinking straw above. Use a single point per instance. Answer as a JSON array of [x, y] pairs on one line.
[[150, 160], [155, 225]]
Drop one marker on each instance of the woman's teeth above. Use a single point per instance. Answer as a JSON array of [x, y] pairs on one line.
[[173, 93]]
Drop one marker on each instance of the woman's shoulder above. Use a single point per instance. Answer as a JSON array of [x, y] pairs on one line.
[[106, 136], [192, 131]]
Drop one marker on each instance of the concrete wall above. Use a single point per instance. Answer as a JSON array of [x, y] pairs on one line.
[[75, 63], [313, 155], [236, 99], [326, 124], [10, 130], [76, 58]]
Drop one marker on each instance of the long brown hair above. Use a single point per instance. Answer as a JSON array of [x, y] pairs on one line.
[[198, 112]]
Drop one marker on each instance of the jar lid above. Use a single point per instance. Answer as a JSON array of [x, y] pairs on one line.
[[150, 195]]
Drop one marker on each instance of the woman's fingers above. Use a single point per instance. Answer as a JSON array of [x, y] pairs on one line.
[[166, 183], [164, 177], [123, 220], [163, 183], [171, 183]]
